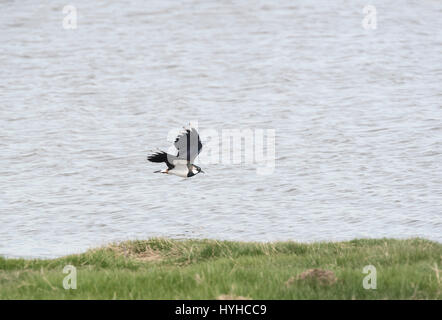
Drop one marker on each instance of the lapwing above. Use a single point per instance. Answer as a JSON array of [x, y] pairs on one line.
[[189, 145]]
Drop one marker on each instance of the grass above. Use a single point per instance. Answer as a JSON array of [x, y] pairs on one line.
[[208, 269]]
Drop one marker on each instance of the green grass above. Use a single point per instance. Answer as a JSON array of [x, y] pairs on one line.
[[208, 269]]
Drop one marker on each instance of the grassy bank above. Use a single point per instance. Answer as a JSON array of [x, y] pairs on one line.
[[206, 269]]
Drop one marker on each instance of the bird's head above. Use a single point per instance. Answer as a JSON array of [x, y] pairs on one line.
[[196, 170]]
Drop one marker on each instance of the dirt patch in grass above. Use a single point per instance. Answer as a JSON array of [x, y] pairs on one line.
[[231, 297], [147, 254], [324, 277]]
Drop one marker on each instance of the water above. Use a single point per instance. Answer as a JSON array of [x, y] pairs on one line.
[[357, 115]]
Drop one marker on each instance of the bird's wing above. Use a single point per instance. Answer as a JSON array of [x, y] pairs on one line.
[[162, 156], [188, 144]]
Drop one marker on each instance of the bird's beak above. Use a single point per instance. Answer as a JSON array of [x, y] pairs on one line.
[[202, 171]]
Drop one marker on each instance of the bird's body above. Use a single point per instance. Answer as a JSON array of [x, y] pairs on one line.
[[181, 168], [189, 146]]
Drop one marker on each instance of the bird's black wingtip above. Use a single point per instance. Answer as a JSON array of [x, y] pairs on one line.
[[157, 157]]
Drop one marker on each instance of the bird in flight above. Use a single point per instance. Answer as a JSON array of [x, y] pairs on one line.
[[189, 145]]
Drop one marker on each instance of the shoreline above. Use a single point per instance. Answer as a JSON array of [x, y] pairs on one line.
[[103, 244]]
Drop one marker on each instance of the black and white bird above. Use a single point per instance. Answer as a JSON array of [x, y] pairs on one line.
[[189, 145]]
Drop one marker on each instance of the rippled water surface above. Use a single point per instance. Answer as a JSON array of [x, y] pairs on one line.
[[357, 115]]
